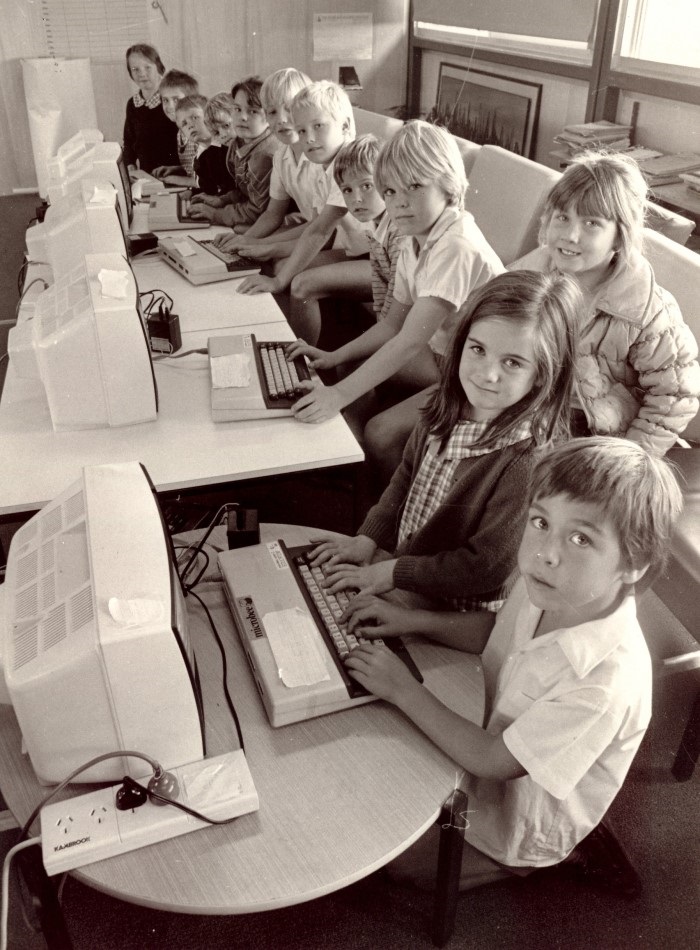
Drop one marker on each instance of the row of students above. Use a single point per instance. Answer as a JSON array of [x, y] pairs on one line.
[[566, 663]]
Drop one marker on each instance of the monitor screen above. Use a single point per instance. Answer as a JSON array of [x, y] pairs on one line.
[[87, 344], [96, 647]]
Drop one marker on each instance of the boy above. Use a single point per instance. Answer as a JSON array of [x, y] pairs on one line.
[[359, 279], [567, 670], [322, 115], [175, 85], [210, 172], [249, 161]]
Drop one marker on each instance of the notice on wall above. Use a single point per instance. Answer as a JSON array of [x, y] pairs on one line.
[[342, 37]]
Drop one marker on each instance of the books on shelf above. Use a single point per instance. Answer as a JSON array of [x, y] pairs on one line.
[[667, 169], [692, 180], [612, 135]]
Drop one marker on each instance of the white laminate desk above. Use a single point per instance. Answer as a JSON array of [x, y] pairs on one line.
[[340, 795], [182, 448]]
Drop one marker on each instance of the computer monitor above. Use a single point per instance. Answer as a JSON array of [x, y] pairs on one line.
[[85, 222], [96, 648], [86, 158], [87, 344]]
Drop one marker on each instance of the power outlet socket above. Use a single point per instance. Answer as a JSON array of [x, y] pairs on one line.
[[78, 831]]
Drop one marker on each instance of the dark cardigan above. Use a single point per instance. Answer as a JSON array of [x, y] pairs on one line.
[[468, 548], [149, 137]]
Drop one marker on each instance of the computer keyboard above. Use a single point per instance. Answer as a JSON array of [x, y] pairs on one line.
[[231, 259], [326, 609], [282, 376]]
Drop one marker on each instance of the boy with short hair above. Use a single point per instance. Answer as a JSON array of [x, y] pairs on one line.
[[174, 86], [566, 666], [323, 120], [210, 172], [249, 160], [358, 278]]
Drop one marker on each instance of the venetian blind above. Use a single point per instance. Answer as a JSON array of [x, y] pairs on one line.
[[553, 19], [99, 29]]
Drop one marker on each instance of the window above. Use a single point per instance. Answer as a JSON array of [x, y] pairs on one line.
[[659, 38]]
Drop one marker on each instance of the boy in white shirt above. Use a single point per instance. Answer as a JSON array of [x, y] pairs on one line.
[[323, 120], [566, 667]]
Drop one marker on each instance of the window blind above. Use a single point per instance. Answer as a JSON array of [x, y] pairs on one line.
[[99, 29], [552, 19]]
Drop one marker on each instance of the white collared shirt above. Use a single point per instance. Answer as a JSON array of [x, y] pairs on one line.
[[572, 707], [304, 181], [454, 260]]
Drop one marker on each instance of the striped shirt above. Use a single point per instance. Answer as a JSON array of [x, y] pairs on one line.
[[384, 248], [435, 478]]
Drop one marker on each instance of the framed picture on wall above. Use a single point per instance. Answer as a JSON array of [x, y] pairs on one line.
[[487, 108]]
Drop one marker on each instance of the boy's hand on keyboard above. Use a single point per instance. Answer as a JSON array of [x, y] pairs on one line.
[[318, 404], [318, 359], [259, 252], [214, 201], [332, 551], [230, 242], [374, 617], [201, 212], [259, 284], [380, 671], [366, 579], [162, 171]]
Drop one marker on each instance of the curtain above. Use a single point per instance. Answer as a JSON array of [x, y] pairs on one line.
[[553, 19]]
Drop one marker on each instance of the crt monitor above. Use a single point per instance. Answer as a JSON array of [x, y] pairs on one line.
[[95, 642], [98, 160], [85, 222], [87, 344]]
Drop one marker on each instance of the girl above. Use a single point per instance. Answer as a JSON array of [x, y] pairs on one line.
[[420, 176], [636, 368], [454, 511], [249, 159], [150, 138]]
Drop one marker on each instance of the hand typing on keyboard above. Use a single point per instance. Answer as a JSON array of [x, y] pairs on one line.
[[330, 551], [381, 672], [366, 579], [318, 359], [374, 617]]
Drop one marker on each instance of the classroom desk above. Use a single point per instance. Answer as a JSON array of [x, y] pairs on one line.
[[340, 795], [182, 448]]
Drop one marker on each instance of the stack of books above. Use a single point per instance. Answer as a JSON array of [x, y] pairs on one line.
[[692, 180], [667, 169], [603, 134]]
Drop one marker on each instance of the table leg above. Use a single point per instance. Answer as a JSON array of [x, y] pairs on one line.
[[689, 749], [451, 822], [44, 899]]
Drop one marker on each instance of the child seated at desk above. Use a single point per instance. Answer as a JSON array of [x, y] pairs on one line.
[[211, 175], [447, 527], [567, 670], [420, 175], [323, 120], [174, 86], [249, 159]]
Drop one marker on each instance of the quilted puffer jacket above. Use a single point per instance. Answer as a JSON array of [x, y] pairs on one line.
[[637, 369]]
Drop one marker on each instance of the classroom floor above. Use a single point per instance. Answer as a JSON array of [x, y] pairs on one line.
[[656, 818]]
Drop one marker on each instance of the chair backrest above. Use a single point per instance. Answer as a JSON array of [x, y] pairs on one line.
[[677, 269], [468, 150], [506, 195], [383, 126], [670, 223]]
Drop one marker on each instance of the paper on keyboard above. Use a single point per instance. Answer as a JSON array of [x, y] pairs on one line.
[[229, 371], [293, 639]]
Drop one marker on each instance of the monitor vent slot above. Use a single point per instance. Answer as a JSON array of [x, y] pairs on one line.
[[26, 533], [81, 611], [48, 591], [54, 627], [48, 557], [26, 645], [50, 523], [27, 602], [27, 568], [75, 507]]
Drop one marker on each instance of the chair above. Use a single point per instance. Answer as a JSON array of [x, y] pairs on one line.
[[506, 195], [678, 270], [383, 126], [468, 150], [669, 223]]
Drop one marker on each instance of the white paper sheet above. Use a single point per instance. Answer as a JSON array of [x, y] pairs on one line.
[[342, 37], [293, 639]]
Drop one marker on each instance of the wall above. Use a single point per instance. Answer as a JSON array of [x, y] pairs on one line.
[[663, 124], [563, 100], [219, 41]]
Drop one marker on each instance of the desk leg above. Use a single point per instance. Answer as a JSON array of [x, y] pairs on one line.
[[44, 899], [451, 822], [689, 749]]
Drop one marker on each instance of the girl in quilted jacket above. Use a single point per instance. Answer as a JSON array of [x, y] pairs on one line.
[[636, 369]]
